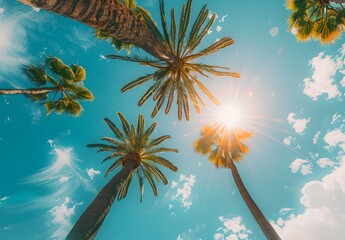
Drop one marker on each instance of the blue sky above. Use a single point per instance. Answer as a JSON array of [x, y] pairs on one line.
[[291, 94]]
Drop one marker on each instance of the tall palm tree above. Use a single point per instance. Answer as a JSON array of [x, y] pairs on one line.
[[225, 147], [323, 20], [119, 45], [67, 86], [179, 77], [134, 150], [111, 17]]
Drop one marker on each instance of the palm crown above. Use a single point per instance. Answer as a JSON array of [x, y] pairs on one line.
[[222, 145], [178, 77], [67, 85], [134, 144], [318, 19]]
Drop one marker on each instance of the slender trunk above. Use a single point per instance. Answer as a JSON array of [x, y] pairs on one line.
[[265, 226], [91, 220], [111, 17], [30, 91]]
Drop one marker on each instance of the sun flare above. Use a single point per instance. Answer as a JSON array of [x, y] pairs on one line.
[[229, 116]]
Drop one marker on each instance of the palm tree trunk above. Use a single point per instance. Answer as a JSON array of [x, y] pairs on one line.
[[91, 220], [111, 17], [30, 91], [265, 226]]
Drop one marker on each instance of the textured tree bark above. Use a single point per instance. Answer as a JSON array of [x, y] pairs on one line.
[[265, 226], [111, 17], [30, 91], [91, 220]]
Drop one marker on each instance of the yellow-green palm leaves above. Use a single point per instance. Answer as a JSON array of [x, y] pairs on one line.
[[134, 143], [222, 145], [176, 80], [318, 19], [68, 87]]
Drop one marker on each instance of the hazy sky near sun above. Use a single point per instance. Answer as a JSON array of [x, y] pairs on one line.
[[290, 95]]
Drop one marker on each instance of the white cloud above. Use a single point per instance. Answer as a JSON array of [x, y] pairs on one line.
[[92, 172], [274, 31], [4, 198], [316, 137], [62, 217], [219, 28], [285, 210], [287, 140], [82, 38], [298, 124], [335, 118], [184, 192], [334, 138], [64, 179], [232, 229], [2, 10], [324, 162], [223, 18], [304, 166], [324, 214], [324, 69]]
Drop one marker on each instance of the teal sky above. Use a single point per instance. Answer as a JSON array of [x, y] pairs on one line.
[[291, 95]]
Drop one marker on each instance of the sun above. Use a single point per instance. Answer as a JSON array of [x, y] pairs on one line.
[[229, 116]]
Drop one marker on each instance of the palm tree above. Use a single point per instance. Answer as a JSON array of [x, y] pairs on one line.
[[67, 86], [134, 150], [119, 45], [179, 77], [323, 20], [111, 17], [225, 147]]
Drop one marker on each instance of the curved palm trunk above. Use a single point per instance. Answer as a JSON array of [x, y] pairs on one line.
[[111, 17], [91, 220], [265, 226], [30, 91]]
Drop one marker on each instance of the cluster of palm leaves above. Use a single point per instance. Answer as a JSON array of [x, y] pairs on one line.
[[135, 140], [67, 86], [178, 78], [222, 145], [318, 19]]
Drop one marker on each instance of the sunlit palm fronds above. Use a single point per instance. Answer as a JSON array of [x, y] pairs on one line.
[[222, 145], [318, 19], [177, 81], [134, 143]]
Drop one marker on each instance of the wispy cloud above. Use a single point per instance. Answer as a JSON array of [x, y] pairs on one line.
[[274, 31], [84, 38], [193, 233], [61, 178], [13, 42]]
